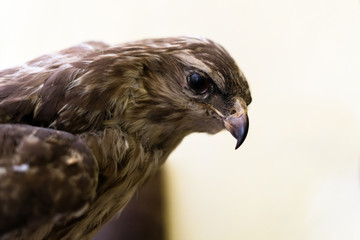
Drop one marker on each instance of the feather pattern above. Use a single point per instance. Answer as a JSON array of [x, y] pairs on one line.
[[82, 129]]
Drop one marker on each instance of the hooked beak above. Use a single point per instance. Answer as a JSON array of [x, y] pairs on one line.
[[238, 122]]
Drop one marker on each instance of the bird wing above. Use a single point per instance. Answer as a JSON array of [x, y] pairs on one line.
[[34, 92], [45, 174]]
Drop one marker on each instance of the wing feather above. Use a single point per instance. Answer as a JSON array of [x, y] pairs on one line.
[[45, 174]]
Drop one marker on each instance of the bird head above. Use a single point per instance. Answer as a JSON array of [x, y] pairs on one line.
[[186, 85]]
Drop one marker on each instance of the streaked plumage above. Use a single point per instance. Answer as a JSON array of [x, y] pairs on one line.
[[82, 129]]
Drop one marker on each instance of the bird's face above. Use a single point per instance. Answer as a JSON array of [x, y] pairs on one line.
[[196, 85]]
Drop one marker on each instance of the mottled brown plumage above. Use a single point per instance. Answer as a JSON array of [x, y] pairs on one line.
[[82, 129]]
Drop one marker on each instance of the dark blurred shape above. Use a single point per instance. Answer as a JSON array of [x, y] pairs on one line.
[[142, 218]]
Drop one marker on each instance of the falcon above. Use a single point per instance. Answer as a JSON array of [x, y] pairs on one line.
[[81, 130]]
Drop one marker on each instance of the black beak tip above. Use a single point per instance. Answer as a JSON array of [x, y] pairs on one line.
[[238, 127], [242, 136]]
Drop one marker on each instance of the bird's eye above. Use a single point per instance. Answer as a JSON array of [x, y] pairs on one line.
[[200, 84]]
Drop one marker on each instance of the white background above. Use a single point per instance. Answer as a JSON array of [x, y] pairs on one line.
[[297, 174]]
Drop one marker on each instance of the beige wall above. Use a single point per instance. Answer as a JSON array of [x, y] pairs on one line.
[[297, 174]]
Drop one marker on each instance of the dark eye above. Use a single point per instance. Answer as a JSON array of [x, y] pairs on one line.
[[199, 83]]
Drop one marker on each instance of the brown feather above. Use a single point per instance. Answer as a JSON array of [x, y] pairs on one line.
[[121, 108]]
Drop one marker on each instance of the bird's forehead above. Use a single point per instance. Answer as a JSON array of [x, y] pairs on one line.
[[202, 54], [218, 64]]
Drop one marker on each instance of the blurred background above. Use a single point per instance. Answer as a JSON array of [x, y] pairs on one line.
[[297, 174]]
